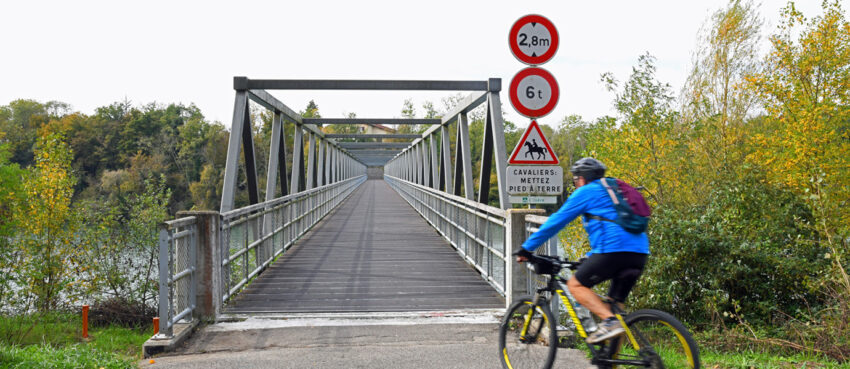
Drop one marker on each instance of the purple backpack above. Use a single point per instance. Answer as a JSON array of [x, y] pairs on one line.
[[634, 198], [632, 211]]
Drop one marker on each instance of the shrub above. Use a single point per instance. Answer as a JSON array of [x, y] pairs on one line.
[[749, 252], [122, 312]]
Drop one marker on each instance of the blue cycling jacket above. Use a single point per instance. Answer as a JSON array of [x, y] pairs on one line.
[[604, 236]]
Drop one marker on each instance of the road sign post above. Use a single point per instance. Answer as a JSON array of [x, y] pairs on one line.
[[534, 93]]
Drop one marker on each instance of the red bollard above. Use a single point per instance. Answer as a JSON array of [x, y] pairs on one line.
[[85, 321], [155, 325]]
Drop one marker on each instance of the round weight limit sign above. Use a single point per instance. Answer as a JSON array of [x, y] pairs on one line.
[[533, 39], [534, 92]]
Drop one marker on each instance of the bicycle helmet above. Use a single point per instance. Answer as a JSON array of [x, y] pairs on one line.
[[589, 168]]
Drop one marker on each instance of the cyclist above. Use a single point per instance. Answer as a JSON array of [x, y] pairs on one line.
[[615, 254]]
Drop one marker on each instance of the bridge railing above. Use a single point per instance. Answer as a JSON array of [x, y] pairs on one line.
[[483, 235], [251, 237], [475, 230], [178, 248]]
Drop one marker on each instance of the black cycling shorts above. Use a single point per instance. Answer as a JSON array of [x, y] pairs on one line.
[[622, 268]]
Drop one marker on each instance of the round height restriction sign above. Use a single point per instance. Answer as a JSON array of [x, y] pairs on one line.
[[534, 92], [533, 39]]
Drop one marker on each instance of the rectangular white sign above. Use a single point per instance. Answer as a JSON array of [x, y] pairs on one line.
[[535, 180], [533, 199]]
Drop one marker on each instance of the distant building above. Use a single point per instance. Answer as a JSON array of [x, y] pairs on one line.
[[376, 129]]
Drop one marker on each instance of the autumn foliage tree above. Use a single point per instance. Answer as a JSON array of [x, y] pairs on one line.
[[641, 146], [47, 225], [805, 141]]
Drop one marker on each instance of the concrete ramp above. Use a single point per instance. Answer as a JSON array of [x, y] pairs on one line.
[[461, 346]]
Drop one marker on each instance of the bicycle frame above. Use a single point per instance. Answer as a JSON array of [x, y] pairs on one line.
[[601, 355]]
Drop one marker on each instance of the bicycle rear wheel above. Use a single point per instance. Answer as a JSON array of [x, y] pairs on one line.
[[663, 340], [528, 336]]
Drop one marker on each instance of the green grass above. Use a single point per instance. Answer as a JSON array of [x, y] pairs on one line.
[[55, 341], [756, 360], [70, 356], [714, 358]]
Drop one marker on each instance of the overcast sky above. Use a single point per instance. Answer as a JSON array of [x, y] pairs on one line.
[[93, 53]]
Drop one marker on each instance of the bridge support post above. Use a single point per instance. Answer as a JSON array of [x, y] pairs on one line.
[[517, 274], [209, 289]]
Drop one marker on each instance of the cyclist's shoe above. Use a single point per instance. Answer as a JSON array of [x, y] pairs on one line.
[[609, 328]]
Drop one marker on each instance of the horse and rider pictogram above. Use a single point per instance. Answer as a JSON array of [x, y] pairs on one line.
[[533, 148]]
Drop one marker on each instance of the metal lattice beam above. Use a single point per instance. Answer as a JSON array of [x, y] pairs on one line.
[[244, 83], [370, 135], [374, 145], [382, 121]]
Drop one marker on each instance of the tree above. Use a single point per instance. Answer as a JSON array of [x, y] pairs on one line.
[[47, 225], [344, 128], [641, 149], [121, 238], [20, 120], [716, 100], [11, 201], [805, 141]]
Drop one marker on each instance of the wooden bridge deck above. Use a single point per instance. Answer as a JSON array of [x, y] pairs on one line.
[[374, 253]]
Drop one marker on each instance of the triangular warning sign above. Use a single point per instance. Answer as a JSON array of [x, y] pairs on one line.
[[533, 148]]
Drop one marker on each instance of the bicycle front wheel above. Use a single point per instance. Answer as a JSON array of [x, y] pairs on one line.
[[528, 336], [663, 340]]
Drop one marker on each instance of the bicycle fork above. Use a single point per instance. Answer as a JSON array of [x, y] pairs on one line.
[[527, 321]]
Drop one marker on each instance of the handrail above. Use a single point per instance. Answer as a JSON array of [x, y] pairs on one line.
[[475, 230], [178, 280], [252, 236]]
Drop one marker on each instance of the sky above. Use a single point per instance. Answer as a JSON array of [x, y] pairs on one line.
[[93, 53]]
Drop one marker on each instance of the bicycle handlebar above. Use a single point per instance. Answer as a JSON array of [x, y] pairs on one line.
[[572, 265]]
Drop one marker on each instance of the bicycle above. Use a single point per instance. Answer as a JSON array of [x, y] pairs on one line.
[[528, 334]]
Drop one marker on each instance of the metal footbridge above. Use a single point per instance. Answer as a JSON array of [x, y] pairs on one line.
[[371, 254], [360, 223]]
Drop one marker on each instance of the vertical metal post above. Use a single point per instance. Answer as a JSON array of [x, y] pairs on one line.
[[193, 261], [426, 164], [271, 172], [445, 160], [297, 159], [463, 145], [329, 151], [486, 162], [164, 276], [423, 163], [337, 161], [331, 163], [281, 162], [435, 166], [320, 177], [406, 166], [311, 162], [231, 168], [423, 160], [495, 111], [414, 163], [250, 162]]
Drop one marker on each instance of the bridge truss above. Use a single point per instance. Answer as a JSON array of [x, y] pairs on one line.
[[207, 257]]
